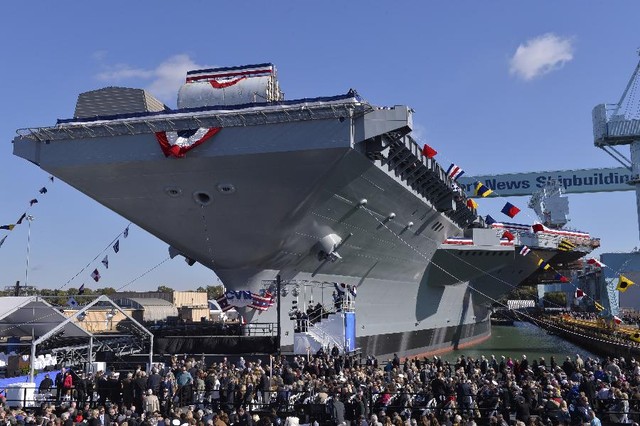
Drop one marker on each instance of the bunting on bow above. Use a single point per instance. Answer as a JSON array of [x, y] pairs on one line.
[[524, 251], [43, 190], [95, 275], [126, 232], [454, 172], [624, 283], [489, 220], [598, 306], [561, 278], [177, 144], [429, 152], [472, 204], [510, 210], [224, 303], [579, 294], [566, 245], [635, 337], [116, 246], [482, 191], [617, 320], [81, 289], [72, 303], [105, 261], [8, 227], [261, 303], [32, 202], [2, 240]]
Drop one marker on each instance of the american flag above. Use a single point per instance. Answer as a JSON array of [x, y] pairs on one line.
[[261, 303]]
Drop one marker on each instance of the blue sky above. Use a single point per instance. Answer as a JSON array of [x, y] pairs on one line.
[[497, 87]]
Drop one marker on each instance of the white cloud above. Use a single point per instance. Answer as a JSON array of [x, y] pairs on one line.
[[164, 81], [541, 55]]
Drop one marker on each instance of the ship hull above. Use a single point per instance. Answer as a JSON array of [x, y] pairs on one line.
[[275, 199]]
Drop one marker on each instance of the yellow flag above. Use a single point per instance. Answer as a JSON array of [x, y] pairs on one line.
[[624, 283], [635, 337], [598, 306]]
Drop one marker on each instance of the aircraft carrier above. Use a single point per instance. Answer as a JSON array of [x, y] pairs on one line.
[[316, 191]]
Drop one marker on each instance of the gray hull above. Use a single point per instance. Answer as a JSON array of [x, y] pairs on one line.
[[274, 199]]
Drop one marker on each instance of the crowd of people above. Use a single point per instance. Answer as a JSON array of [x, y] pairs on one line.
[[333, 389]]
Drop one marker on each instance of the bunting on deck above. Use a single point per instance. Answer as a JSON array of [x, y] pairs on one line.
[[95, 275], [537, 227], [596, 263], [579, 294], [43, 190], [508, 235], [116, 246], [524, 251], [544, 265], [2, 240], [454, 171], [482, 190], [510, 210], [635, 337], [81, 289], [617, 320], [489, 220], [177, 144], [32, 202], [566, 245], [8, 227], [624, 283], [598, 306], [105, 261], [126, 232], [72, 302], [472, 204], [429, 152]]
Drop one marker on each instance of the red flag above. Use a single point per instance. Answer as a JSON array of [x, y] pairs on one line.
[[428, 151], [579, 294], [616, 320], [537, 227], [508, 235]]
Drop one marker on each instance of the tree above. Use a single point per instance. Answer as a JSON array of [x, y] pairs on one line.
[[164, 289]]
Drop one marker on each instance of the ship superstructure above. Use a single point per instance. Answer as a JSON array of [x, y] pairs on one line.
[[321, 190]]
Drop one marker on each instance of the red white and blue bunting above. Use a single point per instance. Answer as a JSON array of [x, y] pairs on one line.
[[177, 144]]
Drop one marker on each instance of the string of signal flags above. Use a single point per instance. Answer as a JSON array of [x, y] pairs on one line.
[[25, 215], [454, 172]]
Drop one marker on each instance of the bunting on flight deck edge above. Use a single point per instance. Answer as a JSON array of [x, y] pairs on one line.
[[524, 250], [177, 144], [544, 265]]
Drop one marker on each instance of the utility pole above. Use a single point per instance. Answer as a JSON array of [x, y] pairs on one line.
[[17, 290]]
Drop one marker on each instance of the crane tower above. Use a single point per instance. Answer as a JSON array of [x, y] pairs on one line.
[[619, 124]]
